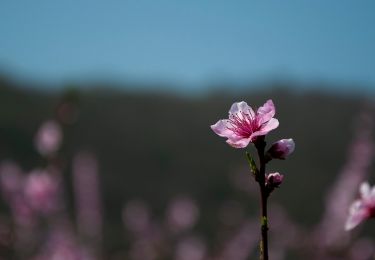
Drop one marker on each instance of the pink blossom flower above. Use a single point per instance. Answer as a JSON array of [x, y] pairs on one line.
[[244, 125], [281, 149], [363, 208]]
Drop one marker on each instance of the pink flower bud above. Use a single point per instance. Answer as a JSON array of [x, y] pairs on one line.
[[273, 180], [281, 149]]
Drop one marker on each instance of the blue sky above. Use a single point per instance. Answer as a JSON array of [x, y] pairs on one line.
[[189, 42]]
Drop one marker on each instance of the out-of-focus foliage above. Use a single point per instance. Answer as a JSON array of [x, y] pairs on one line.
[[154, 148]]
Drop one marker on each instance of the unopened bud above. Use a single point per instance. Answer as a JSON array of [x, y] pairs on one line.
[[281, 149], [273, 180]]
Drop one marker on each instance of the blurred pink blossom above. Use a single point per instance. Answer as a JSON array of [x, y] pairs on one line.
[[148, 245], [48, 138], [41, 191], [281, 149], [182, 214], [242, 244], [363, 249], [12, 182], [143, 249], [330, 232], [283, 224], [362, 208], [63, 245], [87, 195], [244, 125], [22, 212], [11, 179], [190, 248]]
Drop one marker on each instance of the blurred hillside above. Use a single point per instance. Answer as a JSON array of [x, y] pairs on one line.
[[154, 146]]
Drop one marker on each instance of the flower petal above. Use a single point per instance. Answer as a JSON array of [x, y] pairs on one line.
[[356, 215], [355, 207], [239, 143], [239, 107], [364, 190], [221, 128], [272, 124], [353, 221], [265, 129], [266, 112]]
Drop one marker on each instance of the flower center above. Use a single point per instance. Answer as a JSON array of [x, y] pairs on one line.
[[243, 124]]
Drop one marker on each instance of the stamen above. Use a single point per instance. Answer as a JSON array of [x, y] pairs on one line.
[[243, 124]]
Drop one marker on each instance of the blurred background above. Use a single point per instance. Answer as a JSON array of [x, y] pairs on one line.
[[106, 150]]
